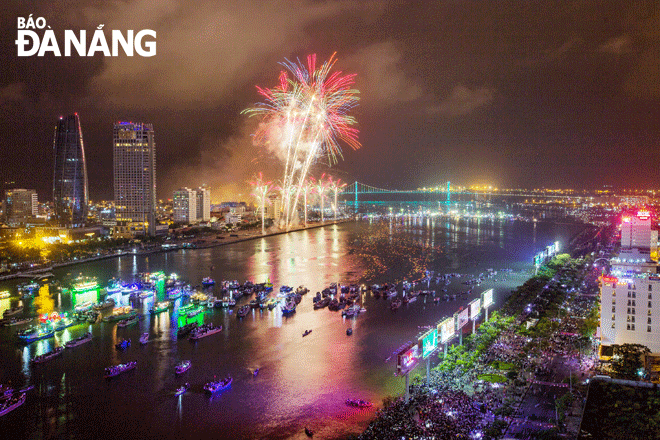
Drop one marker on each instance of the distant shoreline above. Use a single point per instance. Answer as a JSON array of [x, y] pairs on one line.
[[214, 242]]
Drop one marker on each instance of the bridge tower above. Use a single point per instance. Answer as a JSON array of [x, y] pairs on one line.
[[448, 192]]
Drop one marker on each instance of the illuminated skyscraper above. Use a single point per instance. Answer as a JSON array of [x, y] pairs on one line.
[[70, 194], [134, 158]]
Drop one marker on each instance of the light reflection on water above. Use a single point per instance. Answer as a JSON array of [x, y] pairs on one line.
[[302, 381]]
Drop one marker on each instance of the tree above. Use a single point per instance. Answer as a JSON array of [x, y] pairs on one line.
[[627, 360]]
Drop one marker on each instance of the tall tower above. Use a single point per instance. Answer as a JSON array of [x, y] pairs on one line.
[[70, 194], [134, 159]]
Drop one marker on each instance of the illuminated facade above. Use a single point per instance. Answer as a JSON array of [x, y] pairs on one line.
[[134, 160], [70, 195], [636, 231], [184, 205], [203, 204], [20, 205]]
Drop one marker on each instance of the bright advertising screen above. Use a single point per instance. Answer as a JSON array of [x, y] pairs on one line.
[[487, 297], [407, 359], [475, 308], [428, 342], [463, 317], [446, 329]]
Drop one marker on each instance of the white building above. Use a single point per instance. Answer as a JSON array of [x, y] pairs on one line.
[[630, 294], [185, 205], [20, 205], [203, 202], [134, 169]]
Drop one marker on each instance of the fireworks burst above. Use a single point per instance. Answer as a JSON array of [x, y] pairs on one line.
[[303, 120]]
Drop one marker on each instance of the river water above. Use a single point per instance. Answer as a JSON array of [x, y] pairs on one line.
[[301, 381]]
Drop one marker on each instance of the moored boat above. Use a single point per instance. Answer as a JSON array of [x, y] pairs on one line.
[[186, 329], [79, 341], [13, 311], [243, 311], [159, 307], [219, 385], [182, 367], [15, 321], [108, 303], [130, 321], [120, 313], [12, 403], [47, 356], [5, 294], [204, 331], [116, 370], [208, 281], [123, 344], [36, 334]]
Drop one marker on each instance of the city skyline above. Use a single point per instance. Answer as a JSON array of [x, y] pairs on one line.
[[499, 93]]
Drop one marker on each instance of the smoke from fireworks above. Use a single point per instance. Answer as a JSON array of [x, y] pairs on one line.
[[303, 120]]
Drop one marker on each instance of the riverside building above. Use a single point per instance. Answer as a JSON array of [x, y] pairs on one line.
[[630, 294], [134, 169]]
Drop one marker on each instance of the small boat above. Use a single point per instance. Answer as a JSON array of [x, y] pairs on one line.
[[243, 311], [255, 372], [104, 305], [182, 367], [84, 307], [204, 331], [159, 307], [116, 370], [123, 344], [13, 311], [12, 403], [5, 294], [195, 312], [47, 356], [306, 333], [144, 338], [15, 321], [79, 341], [309, 433], [182, 389], [358, 403], [186, 329], [219, 385], [349, 331], [208, 281], [130, 321]]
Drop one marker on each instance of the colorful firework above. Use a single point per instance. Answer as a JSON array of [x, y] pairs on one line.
[[262, 191], [303, 120]]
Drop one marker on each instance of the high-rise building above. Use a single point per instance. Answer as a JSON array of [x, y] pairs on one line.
[[20, 205], [630, 293], [134, 159], [184, 205], [70, 194], [203, 204]]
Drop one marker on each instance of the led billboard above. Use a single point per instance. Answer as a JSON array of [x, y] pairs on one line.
[[462, 318], [447, 329], [428, 342], [487, 298], [475, 308], [407, 359]]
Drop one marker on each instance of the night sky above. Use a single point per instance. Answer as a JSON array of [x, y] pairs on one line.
[[510, 93]]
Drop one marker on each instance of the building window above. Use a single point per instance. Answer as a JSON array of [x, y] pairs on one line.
[[649, 304], [613, 301], [613, 309], [650, 296], [628, 318], [612, 325], [628, 310], [649, 321], [633, 319], [633, 310], [613, 318], [648, 329], [634, 294], [650, 287], [628, 303], [629, 294], [627, 326], [632, 327], [633, 303]]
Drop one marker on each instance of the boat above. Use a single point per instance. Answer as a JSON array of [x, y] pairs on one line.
[[182, 389], [219, 385], [108, 303], [396, 303], [130, 321], [302, 290], [13, 311], [123, 344], [144, 294], [289, 307], [204, 331], [182, 367], [349, 331], [79, 341], [228, 302], [47, 356], [243, 311], [306, 333], [255, 372], [358, 403], [12, 403], [15, 321], [84, 307], [28, 286], [208, 281], [120, 313], [144, 338], [36, 334], [308, 432], [5, 294], [159, 307], [116, 370], [271, 303], [185, 330]]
